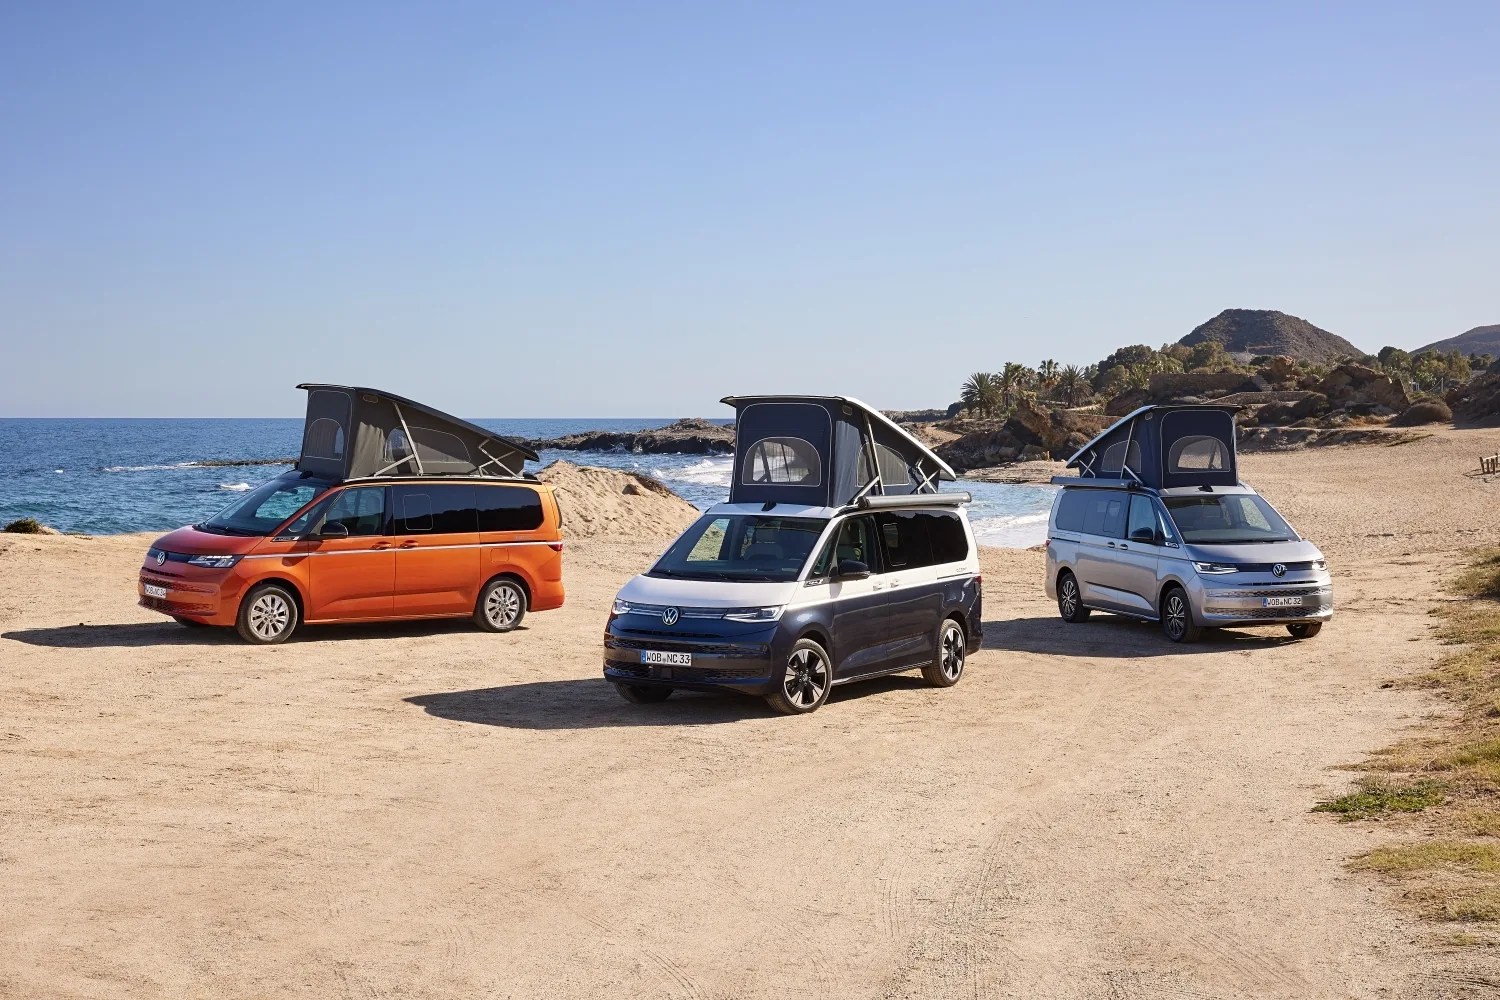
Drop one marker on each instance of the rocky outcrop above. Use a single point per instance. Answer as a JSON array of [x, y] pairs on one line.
[[1032, 432], [692, 436], [1477, 401], [1180, 387], [1351, 385]]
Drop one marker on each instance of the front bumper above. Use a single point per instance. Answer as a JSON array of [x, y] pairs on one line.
[[1247, 605], [745, 662], [204, 600]]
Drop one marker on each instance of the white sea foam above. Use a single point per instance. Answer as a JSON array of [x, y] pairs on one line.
[[149, 468], [236, 487], [1012, 531], [707, 472]]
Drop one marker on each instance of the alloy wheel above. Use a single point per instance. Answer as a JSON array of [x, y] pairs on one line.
[[951, 654], [502, 606], [805, 678], [269, 616], [1069, 597], [1176, 616]]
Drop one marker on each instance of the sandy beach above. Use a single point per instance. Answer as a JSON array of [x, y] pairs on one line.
[[426, 810]]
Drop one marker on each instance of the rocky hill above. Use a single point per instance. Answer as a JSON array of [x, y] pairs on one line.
[[1266, 331], [690, 436], [1480, 340]]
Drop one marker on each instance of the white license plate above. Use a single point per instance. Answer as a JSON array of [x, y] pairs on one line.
[[1282, 602], [154, 591], [666, 659]]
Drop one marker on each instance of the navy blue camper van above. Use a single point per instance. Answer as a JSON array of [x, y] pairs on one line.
[[836, 559]]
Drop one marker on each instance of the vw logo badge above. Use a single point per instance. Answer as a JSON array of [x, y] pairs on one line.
[[161, 557], [669, 616], [1278, 570]]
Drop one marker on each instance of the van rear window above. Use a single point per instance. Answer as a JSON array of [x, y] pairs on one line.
[[509, 508]]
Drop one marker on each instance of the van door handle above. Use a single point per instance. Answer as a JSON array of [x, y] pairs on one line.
[[1125, 547], [381, 545], [1110, 544], [408, 545]]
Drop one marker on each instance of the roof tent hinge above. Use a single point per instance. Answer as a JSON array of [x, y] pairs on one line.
[[866, 488], [493, 461], [411, 441]]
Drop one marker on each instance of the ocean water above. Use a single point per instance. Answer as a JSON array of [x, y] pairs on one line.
[[118, 475]]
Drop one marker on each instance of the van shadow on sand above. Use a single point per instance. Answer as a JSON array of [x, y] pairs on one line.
[[141, 634], [591, 703], [1106, 636]]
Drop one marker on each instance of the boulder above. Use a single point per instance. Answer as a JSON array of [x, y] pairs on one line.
[[1281, 371], [1354, 385], [1424, 411], [1284, 412], [1477, 400]]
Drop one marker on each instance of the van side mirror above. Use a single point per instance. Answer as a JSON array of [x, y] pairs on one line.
[[852, 569], [1148, 535], [334, 529]]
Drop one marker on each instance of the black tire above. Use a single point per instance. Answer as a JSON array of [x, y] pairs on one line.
[[1177, 616], [268, 615], [501, 605], [947, 666], [1304, 630], [1070, 599], [189, 622], [644, 694], [804, 680]]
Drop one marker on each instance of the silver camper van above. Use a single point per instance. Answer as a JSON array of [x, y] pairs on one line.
[[1156, 525]]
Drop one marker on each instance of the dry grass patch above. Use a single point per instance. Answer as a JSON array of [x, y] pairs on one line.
[[1379, 796]]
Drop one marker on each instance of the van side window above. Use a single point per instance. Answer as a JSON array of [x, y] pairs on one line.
[[949, 542], [852, 542], [1070, 510], [509, 508], [1104, 513], [361, 511], [437, 509], [1143, 525], [907, 540]]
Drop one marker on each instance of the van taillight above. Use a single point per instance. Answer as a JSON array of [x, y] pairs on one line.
[[555, 546]]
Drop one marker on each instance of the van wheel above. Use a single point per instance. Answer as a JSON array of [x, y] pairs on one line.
[[268, 615], [644, 694], [804, 680], [1304, 630], [948, 666], [189, 622], [1177, 616], [501, 606], [1070, 599]]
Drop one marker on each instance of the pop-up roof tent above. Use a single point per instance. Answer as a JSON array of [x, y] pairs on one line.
[[1163, 447], [352, 433], [826, 451]]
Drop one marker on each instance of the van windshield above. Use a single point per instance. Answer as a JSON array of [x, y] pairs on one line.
[[1227, 519], [741, 547], [268, 505]]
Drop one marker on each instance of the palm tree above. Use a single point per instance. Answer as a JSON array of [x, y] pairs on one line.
[[981, 393], [1047, 371], [1010, 379], [1070, 381]]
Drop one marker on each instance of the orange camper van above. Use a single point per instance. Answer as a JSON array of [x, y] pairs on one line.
[[394, 511]]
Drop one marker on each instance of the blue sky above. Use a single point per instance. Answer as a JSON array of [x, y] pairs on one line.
[[631, 209]]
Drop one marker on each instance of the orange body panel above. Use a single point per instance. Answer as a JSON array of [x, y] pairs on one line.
[[373, 577]]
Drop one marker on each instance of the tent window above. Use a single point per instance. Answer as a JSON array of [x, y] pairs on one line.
[[785, 460], [1114, 455], [893, 468], [1199, 453], [439, 447], [397, 447], [325, 439]]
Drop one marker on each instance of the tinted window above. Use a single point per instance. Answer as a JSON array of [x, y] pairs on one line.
[[1070, 510], [1104, 512], [1142, 527], [509, 508], [361, 511], [906, 540], [782, 460], [949, 542], [435, 509]]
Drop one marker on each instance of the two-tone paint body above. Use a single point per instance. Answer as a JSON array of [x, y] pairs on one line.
[[887, 622]]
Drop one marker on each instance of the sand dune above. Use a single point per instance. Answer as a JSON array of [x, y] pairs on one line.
[[429, 811]]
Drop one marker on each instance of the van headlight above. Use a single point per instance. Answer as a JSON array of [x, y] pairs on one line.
[[621, 607], [213, 562], [1320, 563], [1215, 569], [755, 614]]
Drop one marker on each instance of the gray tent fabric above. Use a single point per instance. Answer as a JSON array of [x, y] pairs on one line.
[[1165, 447], [354, 432], [822, 451]]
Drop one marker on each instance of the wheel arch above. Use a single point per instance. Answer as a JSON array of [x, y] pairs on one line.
[[285, 581], [510, 573]]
